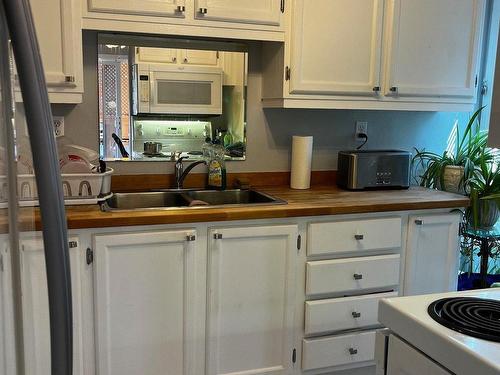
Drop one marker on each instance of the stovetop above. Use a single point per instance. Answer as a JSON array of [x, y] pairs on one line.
[[477, 317], [453, 347]]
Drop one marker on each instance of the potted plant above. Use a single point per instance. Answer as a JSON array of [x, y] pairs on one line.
[[449, 171], [484, 190]]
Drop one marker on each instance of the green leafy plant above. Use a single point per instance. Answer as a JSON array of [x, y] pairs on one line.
[[483, 186], [467, 151]]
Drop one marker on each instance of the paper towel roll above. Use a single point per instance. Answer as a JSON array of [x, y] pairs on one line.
[[301, 162]]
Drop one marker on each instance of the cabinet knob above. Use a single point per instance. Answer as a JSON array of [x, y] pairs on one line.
[[356, 314], [174, 59], [185, 59], [203, 10], [181, 8], [393, 89], [358, 237], [376, 88], [353, 351], [357, 276], [69, 79], [419, 222]]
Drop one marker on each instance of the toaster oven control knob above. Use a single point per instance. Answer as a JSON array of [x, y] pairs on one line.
[[358, 237], [357, 276]]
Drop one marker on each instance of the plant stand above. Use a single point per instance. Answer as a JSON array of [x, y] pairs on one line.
[[488, 242]]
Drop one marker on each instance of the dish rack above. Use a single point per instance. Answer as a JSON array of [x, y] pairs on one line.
[[78, 188]]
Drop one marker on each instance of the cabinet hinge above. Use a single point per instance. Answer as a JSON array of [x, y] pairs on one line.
[[217, 236], [282, 6], [89, 255], [72, 244], [190, 237], [217, 54], [287, 73], [294, 355], [475, 81], [299, 242]]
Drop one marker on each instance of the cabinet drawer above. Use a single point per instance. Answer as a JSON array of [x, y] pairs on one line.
[[354, 235], [352, 274], [338, 350], [337, 314]]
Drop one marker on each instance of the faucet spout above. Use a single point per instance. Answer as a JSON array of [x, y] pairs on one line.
[[180, 177]]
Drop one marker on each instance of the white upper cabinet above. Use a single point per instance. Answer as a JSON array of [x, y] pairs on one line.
[[199, 57], [376, 54], [156, 55], [58, 28], [144, 286], [161, 8], [432, 254], [251, 290], [336, 46], [264, 12], [432, 48]]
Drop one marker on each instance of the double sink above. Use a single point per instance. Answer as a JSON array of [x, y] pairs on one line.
[[169, 199]]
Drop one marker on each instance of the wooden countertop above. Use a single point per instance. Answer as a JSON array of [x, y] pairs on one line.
[[321, 200]]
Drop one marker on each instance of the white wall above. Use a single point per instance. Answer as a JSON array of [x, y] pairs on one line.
[[269, 131]]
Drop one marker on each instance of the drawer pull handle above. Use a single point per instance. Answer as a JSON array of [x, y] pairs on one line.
[[419, 222], [359, 237], [356, 315], [353, 351], [357, 276], [203, 10]]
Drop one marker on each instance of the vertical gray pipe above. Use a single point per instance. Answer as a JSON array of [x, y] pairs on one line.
[[48, 179]]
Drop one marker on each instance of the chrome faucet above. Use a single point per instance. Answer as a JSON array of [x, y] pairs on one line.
[[181, 173]]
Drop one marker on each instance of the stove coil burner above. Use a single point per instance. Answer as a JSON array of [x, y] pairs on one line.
[[477, 317]]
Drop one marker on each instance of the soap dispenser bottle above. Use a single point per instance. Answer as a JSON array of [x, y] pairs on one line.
[[217, 167]]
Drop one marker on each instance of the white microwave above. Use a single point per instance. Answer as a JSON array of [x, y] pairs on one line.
[[163, 89]]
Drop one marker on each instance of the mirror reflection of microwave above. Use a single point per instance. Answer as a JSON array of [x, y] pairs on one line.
[[163, 89]]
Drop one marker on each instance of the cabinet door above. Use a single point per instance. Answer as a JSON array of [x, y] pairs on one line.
[[199, 57], [144, 302], [261, 12], [251, 276], [35, 303], [7, 341], [433, 48], [162, 8], [335, 47], [432, 254], [58, 28], [156, 55]]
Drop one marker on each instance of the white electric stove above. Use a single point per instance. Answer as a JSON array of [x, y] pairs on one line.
[[438, 334]]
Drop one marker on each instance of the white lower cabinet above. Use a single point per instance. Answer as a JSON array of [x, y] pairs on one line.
[[235, 298], [432, 253], [338, 314], [144, 285], [352, 275], [35, 306], [251, 291], [338, 350]]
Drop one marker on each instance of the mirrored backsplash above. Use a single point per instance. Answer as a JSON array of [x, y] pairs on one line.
[[158, 100]]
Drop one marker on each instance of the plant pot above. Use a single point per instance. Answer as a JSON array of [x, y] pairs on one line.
[[453, 179], [488, 213]]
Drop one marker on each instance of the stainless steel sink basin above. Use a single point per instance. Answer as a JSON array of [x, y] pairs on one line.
[[169, 199], [156, 199]]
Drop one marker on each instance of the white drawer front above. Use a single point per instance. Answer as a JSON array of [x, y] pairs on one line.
[[352, 274], [338, 350], [354, 235], [337, 314]]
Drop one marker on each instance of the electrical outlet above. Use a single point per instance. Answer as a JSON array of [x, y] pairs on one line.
[[361, 128], [58, 122]]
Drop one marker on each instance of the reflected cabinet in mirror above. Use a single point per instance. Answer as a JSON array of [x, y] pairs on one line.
[[162, 98]]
